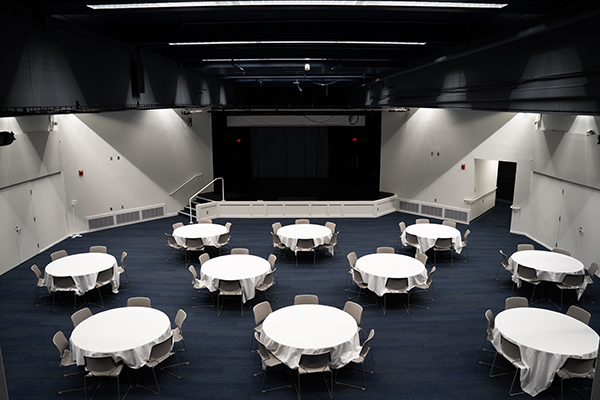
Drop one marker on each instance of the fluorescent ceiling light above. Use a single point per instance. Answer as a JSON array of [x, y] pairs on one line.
[[248, 3], [250, 42], [260, 59]]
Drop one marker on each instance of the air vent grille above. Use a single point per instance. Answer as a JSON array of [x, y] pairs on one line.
[[101, 222]]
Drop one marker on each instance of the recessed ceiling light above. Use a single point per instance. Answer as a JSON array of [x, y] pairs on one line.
[[251, 42], [248, 3]]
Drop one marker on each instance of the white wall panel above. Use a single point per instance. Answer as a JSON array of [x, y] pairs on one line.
[[544, 209], [51, 209]]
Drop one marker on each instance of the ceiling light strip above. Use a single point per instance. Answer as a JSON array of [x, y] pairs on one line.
[[250, 3], [252, 42]]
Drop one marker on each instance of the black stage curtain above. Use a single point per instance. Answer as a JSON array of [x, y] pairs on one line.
[[290, 152]]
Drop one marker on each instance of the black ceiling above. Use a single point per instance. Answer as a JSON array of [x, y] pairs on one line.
[[444, 31]]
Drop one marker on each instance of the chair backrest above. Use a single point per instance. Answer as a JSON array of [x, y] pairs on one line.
[[275, 226], [580, 314], [240, 250], [515, 302], [276, 240], [123, 256], [449, 223], [522, 247], [179, 318], [61, 342], [105, 276], [98, 249], [561, 251], [229, 286], [331, 225], [58, 254], [357, 276], [355, 310], [205, 221], [303, 221], [262, 349], [430, 276], [192, 269], [510, 350], [305, 244], [81, 315], [592, 269], [412, 239], [228, 226], [397, 284], [63, 282], [573, 280], [422, 221], [204, 257], [171, 240], [352, 258], [333, 240], [443, 243], [386, 250], [223, 239], [421, 257], [526, 272], [306, 299], [37, 272], [161, 350], [367, 344], [504, 259], [261, 310], [139, 302], [272, 260], [314, 362], [194, 243], [579, 367], [177, 225], [402, 226], [99, 364], [489, 315], [467, 233], [269, 278]]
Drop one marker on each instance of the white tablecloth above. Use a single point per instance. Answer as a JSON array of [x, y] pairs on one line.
[[83, 268], [377, 268], [428, 234], [248, 269], [550, 266], [290, 234], [127, 334], [310, 329], [209, 233], [546, 339]]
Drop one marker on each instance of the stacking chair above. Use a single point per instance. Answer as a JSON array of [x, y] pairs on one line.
[[197, 285], [268, 360], [330, 246], [569, 282], [228, 226], [589, 279], [579, 314], [63, 284], [175, 247], [315, 363], [402, 227], [422, 257], [522, 247], [177, 333], [275, 226], [260, 311], [230, 288], [503, 266], [442, 245], [515, 302], [305, 246], [177, 225], [269, 282], [104, 278], [303, 221], [386, 250], [561, 251], [331, 226], [66, 360], [121, 269], [529, 275], [204, 257], [98, 249], [240, 250], [81, 315], [193, 245], [355, 310], [464, 244], [39, 282], [223, 241], [422, 221], [272, 260], [103, 367], [576, 368], [159, 353], [352, 260], [139, 302], [360, 361], [58, 254], [489, 316], [396, 286], [306, 299], [412, 241], [426, 286], [449, 223], [357, 279], [204, 221], [277, 244], [512, 353]]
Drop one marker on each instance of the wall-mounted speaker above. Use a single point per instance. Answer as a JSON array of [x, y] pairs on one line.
[[137, 77]]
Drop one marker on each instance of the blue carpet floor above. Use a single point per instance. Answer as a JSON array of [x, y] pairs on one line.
[[429, 354]]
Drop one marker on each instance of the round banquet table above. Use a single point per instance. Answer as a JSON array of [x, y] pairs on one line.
[[209, 233], [84, 269], [428, 234], [248, 269], [377, 268], [290, 234], [292, 331], [126, 333], [546, 339], [549, 266]]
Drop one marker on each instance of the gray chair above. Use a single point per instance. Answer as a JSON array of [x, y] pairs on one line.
[[386, 250], [63, 284], [515, 302], [230, 288], [503, 266], [589, 280], [352, 260], [421, 221], [177, 333], [426, 287], [422, 257], [396, 286], [193, 245], [104, 278], [358, 280], [331, 226], [66, 360], [269, 282], [561, 251], [355, 310], [402, 227], [330, 246], [268, 360], [412, 241], [204, 221], [177, 225], [529, 275], [103, 367], [139, 302], [277, 244], [121, 269], [443, 245], [260, 311], [579, 314], [98, 249], [174, 246], [272, 261], [159, 353], [240, 250], [523, 247], [449, 223], [315, 363], [58, 254], [302, 221], [305, 246], [489, 337], [569, 282], [360, 362], [306, 299], [464, 244], [39, 283], [275, 226], [198, 286], [512, 353], [204, 257], [223, 241], [81, 315], [576, 368]]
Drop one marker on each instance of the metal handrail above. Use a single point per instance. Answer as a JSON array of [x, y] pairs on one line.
[[185, 183], [201, 190], [473, 200]]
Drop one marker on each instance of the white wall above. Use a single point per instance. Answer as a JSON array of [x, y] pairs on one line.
[[485, 178]]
